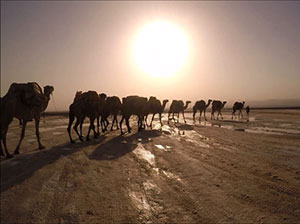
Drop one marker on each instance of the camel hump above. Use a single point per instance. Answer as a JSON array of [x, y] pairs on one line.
[[30, 93], [90, 97]]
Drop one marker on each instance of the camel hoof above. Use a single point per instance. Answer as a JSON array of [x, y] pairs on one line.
[[42, 147], [16, 152], [9, 156], [72, 141], [87, 139]]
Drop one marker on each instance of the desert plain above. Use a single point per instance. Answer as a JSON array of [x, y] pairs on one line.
[[222, 171]]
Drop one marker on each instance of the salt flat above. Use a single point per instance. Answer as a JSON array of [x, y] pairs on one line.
[[214, 171]]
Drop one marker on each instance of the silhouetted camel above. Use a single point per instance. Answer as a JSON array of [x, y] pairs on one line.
[[155, 107], [112, 106], [201, 106], [217, 105], [177, 106], [237, 106], [25, 101], [85, 104], [134, 105]]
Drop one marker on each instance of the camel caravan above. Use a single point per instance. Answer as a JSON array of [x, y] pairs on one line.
[[27, 101]]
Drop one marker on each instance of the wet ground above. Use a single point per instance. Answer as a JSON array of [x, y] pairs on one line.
[[241, 170]]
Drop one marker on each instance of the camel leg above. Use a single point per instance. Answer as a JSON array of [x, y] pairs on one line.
[[169, 118], [200, 116], [3, 139], [153, 119], [94, 130], [71, 119], [183, 117], [221, 115], [21, 137], [204, 115], [78, 121], [106, 123], [121, 125], [80, 127], [116, 118], [194, 113], [37, 132], [112, 124], [241, 113], [146, 118], [161, 124], [90, 127], [128, 126], [98, 126]]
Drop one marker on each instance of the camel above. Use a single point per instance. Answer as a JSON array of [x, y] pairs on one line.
[[134, 105], [200, 105], [25, 101], [155, 107], [85, 104], [217, 105], [112, 106], [237, 106], [177, 106]]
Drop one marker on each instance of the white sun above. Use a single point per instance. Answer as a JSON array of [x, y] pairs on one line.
[[160, 49]]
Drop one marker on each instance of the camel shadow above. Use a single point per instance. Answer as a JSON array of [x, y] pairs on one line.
[[121, 145], [16, 170], [184, 127]]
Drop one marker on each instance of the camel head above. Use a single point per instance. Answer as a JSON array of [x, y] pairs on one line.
[[209, 101], [224, 102], [243, 103], [186, 104], [102, 96], [48, 90], [164, 103]]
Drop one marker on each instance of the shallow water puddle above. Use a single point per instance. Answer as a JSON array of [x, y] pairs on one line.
[[144, 154], [166, 148], [272, 131], [159, 147]]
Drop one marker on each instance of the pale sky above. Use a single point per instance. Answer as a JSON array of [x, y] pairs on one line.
[[237, 50]]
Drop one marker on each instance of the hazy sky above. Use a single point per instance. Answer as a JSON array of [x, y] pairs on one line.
[[237, 50]]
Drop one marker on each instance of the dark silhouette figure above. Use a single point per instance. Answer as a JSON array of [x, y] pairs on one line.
[[134, 105], [237, 106], [248, 111], [113, 107], [201, 106], [25, 101], [85, 104], [156, 107], [217, 105], [177, 106]]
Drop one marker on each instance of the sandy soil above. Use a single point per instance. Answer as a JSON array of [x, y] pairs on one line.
[[213, 172]]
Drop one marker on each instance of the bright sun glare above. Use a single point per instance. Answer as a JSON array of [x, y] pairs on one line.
[[160, 49]]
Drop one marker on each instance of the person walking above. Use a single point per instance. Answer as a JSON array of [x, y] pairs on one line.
[[248, 111]]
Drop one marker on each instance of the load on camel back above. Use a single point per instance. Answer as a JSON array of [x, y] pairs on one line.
[[30, 93]]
